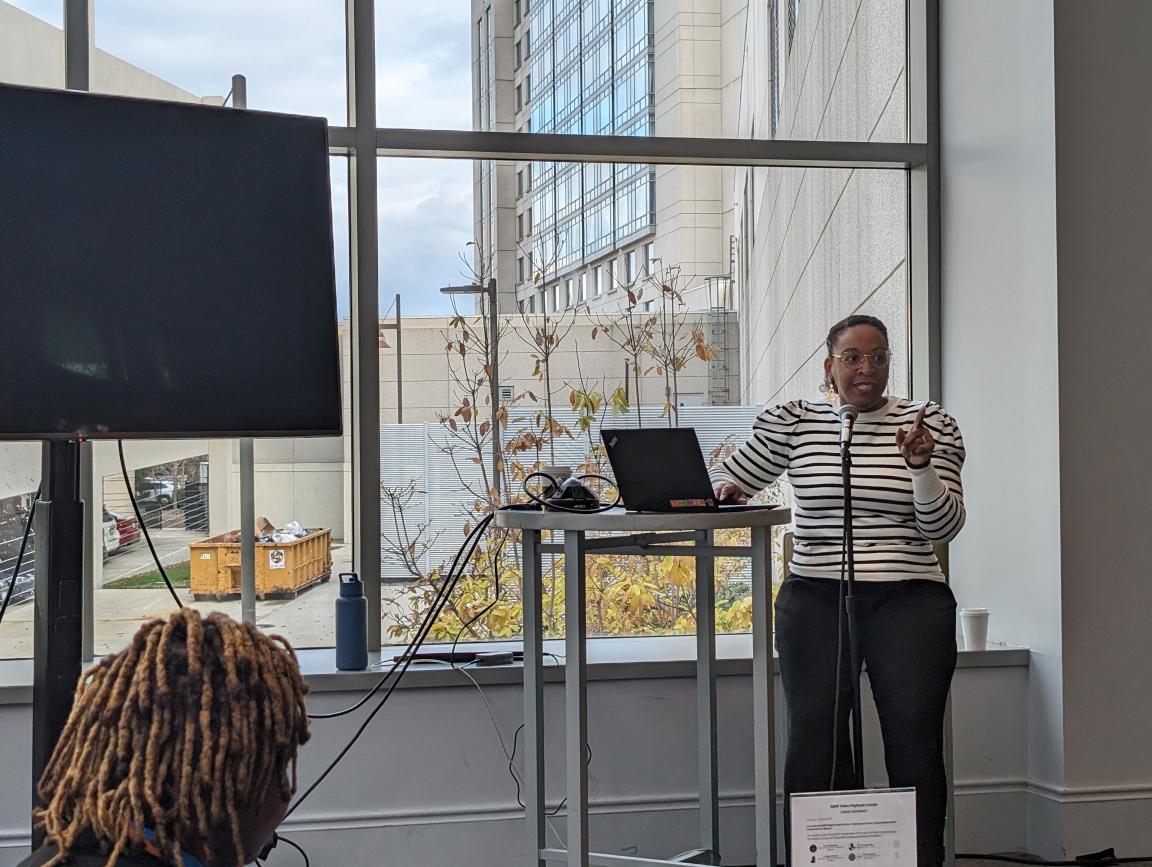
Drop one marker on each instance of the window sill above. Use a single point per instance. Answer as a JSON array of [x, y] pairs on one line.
[[640, 658]]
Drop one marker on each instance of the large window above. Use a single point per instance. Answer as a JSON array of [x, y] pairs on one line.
[[571, 244]]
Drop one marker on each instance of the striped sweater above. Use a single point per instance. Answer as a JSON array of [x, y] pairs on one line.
[[898, 511]]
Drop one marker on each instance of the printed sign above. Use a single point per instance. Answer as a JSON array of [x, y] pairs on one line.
[[276, 559], [874, 826]]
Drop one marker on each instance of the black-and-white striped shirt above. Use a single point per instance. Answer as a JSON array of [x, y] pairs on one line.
[[898, 511]]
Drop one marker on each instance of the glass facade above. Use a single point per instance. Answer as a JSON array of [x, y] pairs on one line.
[[588, 71]]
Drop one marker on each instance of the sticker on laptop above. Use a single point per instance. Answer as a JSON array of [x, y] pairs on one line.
[[692, 503]]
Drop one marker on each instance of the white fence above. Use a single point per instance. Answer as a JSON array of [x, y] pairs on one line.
[[418, 454]]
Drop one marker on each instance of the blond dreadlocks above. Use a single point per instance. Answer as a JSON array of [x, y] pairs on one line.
[[182, 733]]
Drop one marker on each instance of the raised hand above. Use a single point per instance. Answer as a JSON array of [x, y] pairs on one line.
[[916, 443]]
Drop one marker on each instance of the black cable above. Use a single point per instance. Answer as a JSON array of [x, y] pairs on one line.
[[424, 628], [143, 526], [515, 779], [839, 657], [297, 847], [495, 558], [450, 581], [19, 556], [556, 507]]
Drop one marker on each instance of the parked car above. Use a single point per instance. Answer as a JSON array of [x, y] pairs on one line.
[[127, 527], [159, 491], [111, 535]]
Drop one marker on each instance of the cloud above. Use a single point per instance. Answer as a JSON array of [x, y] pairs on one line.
[[425, 214]]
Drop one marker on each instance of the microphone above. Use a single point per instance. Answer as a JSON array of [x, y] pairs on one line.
[[847, 413]]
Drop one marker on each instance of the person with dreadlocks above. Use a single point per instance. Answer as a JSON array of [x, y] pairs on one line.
[[180, 750]]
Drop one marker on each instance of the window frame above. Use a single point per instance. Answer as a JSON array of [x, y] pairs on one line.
[[363, 143]]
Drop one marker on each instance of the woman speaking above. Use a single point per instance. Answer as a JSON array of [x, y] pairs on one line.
[[906, 494]]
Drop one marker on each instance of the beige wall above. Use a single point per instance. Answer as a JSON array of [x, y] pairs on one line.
[[427, 385], [32, 53], [690, 200], [824, 243]]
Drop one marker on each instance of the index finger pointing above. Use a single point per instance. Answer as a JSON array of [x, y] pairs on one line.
[[920, 416]]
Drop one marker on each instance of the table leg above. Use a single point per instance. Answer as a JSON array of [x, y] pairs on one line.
[[706, 759], [576, 697], [533, 698], [763, 698]]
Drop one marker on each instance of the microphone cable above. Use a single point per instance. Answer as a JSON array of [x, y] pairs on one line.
[[840, 615]]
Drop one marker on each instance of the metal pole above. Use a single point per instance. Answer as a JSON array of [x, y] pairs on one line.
[[87, 496], [247, 530], [763, 697], [576, 698], [247, 465], [59, 603], [365, 307], [853, 629], [708, 836], [399, 368], [239, 91], [77, 38], [494, 343], [533, 698]]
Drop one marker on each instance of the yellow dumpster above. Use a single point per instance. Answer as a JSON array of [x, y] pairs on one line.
[[283, 569]]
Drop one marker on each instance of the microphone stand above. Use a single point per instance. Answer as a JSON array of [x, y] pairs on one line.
[[850, 614]]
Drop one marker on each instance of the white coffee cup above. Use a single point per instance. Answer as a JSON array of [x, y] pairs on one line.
[[974, 624]]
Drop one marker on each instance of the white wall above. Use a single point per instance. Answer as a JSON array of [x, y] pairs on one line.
[[1104, 210], [999, 316], [1046, 306], [428, 785]]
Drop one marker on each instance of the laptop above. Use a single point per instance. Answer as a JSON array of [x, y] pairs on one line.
[[662, 470]]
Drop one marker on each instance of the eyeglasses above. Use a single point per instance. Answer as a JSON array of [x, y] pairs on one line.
[[853, 359]]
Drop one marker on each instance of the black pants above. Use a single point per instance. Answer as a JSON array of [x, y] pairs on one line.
[[908, 643]]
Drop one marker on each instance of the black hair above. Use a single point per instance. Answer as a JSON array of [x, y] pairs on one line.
[[851, 322], [843, 325]]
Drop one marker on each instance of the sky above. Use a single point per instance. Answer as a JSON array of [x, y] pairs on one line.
[[292, 53]]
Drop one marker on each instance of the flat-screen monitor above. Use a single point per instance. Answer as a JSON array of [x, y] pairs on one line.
[[166, 270]]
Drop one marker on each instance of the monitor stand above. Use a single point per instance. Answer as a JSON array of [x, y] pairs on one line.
[[57, 633]]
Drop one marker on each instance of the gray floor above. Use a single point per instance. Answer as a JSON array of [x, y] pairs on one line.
[[983, 863]]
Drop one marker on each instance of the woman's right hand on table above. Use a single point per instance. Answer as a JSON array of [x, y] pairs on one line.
[[729, 492]]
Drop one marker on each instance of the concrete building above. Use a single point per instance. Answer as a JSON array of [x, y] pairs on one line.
[[790, 250], [815, 245], [428, 388], [560, 236]]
